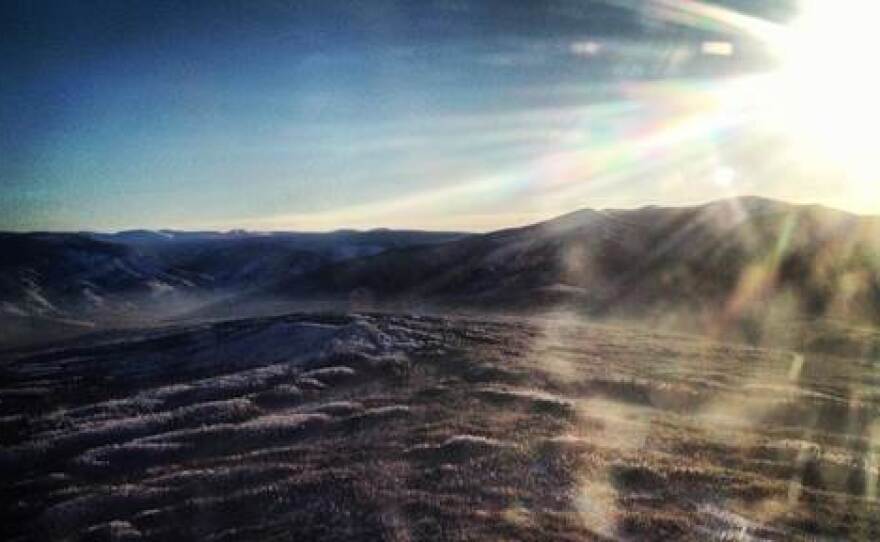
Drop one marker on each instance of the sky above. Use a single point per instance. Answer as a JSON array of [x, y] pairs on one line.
[[443, 115]]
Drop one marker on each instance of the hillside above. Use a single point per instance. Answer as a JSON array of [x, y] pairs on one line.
[[726, 260], [63, 281], [743, 264]]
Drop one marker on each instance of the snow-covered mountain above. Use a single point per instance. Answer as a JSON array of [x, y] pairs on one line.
[[81, 278], [732, 262]]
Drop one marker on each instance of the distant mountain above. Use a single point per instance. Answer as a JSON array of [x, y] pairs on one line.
[[735, 259], [45, 274], [69, 279], [740, 262], [241, 259]]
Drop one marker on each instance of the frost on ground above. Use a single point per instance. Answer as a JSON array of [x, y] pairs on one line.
[[383, 427]]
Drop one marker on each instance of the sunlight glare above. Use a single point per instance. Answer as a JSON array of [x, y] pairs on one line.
[[830, 82]]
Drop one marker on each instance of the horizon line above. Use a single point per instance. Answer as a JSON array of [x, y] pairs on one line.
[[345, 229]]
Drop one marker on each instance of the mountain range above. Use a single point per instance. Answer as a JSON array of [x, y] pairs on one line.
[[735, 258], [68, 281], [738, 260]]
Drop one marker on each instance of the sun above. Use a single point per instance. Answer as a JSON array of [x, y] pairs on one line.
[[829, 82]]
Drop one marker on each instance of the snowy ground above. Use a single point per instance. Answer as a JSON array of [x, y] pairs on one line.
[[389, 427]]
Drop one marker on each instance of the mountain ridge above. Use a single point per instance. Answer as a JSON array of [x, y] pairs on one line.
[[50, 279], [627, 261], [726, 261]]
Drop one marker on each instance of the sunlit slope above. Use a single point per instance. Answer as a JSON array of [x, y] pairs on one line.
[[722, 260]]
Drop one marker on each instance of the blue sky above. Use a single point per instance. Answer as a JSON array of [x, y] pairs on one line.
[[451, 114]]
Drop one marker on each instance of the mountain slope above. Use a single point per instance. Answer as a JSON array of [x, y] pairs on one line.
[[732, 262], [726, 259], [67, 280], [50, 274]]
